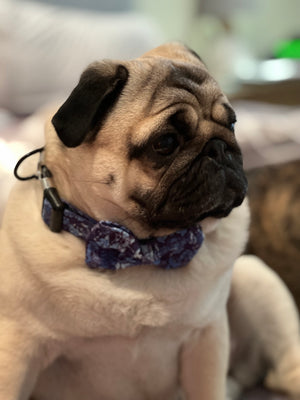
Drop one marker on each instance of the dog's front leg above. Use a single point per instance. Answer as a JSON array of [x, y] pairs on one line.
[[204, 362], [19, 363]]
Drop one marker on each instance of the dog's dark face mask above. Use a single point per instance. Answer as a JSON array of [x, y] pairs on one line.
[[210, 186], [178, 129], [209, 182]]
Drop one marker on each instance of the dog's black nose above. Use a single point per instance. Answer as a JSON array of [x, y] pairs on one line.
[[216, 149]]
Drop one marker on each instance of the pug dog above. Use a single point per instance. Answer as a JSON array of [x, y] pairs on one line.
[[116, 262]]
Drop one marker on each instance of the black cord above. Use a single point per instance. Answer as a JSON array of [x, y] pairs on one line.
[[26, 178]]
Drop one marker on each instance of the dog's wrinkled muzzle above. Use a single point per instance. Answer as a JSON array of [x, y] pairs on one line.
[[211, 185]]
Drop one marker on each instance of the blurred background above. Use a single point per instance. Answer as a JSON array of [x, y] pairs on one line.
[[252, 48]]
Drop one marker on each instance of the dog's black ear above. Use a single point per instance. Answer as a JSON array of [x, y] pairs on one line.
[[196, 55], [85, 109]]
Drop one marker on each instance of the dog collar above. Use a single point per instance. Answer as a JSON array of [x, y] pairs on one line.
[[108, 244], [112, 246]]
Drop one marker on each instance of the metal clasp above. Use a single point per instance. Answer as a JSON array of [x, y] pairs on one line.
[[51, 194]]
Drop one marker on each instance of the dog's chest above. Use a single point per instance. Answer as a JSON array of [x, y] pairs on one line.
[[114, 368]]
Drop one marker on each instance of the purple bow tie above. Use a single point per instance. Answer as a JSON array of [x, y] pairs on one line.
[[112, 246]]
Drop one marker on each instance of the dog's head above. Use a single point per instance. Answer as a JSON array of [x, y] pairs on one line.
[[148, 142]]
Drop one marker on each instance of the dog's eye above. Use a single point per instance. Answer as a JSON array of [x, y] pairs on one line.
[[232, 126], [166, 144]]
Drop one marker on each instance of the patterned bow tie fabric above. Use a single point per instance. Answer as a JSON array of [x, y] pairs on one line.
[[112, 246]]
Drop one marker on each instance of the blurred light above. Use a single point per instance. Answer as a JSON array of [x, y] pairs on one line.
[[288, 49], [277, 70], [267, 71]]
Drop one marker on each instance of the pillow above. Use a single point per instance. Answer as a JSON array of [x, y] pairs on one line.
[[267, 133]]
